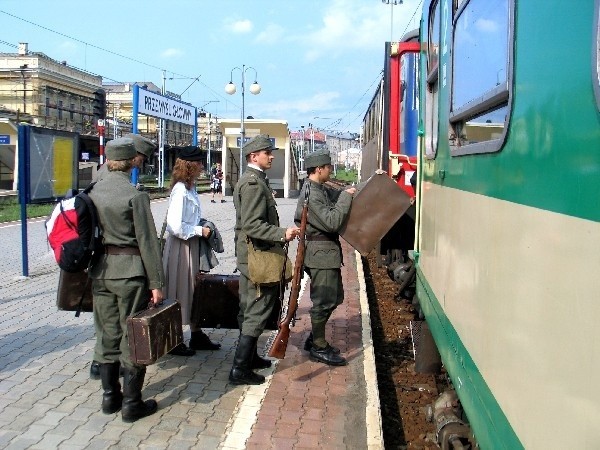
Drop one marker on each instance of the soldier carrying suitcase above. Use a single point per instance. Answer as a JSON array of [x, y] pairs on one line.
[[323, 256], [124, 280]]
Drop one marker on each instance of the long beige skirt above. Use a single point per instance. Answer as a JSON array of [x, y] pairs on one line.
[[181, 260]]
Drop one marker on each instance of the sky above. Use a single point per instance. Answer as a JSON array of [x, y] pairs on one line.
[[316, 61]]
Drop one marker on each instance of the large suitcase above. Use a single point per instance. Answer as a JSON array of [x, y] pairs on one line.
[[154, 332], [74, 292], [217, 302], [376, 207]]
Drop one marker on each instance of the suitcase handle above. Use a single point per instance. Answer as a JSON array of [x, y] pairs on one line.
[[152, 305]]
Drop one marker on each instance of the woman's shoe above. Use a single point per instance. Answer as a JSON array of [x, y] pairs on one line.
[[201, 341], [182, 350]]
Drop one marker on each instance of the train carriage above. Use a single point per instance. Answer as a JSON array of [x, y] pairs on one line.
[[507, 241], [509, 234]]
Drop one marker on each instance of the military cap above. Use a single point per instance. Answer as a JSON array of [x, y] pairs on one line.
[[120, 149], [317, 159], [258, 143], [190, 153], [143, 145]]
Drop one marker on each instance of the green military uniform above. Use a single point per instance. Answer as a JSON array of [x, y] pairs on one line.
[[323, 255], [121, 282], [122, 278], [256, 219]]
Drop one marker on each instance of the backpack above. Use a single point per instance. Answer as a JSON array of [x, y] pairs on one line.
[[74, 232]]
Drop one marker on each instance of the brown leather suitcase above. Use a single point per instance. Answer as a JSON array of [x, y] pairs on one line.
[[377, 206], [74, 292], [217, 302], [154, 332]]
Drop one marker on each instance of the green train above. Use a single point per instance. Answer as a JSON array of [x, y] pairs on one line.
[[507, 244]]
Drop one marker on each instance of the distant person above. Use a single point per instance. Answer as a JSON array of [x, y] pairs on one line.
[[216, 183], [323, 256], [127, 276], [256, 218], [181, 257]]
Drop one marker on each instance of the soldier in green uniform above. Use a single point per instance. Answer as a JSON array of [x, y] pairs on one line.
[[323, 256], [256, 219], [143, 146], [145, 149], [127, 276]]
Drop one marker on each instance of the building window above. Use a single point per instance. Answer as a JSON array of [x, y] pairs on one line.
[[481, 81], [432, 94], [60, 109], [47, 106], [72, 112]]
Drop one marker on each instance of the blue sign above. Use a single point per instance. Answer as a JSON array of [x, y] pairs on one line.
[[5, 139], [246, 139]]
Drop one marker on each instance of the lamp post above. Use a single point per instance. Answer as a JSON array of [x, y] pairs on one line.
[[392, 3], [231, 89]]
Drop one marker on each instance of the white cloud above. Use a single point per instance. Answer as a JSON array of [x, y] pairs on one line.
[[171, 53], [239, 26], [349, 25], [271, 35], [319, 102]]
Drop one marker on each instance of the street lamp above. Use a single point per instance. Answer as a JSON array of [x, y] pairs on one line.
[[254, 89], [392, 3]]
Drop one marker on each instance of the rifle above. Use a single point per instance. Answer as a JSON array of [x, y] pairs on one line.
[[283, 334]]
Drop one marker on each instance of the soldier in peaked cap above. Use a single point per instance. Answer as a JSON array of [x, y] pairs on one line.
[[323, 256], [257, 220], [125, 278]]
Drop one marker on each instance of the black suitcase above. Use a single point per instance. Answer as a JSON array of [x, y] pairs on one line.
[[217, 302], [74, 292], [154, 332]]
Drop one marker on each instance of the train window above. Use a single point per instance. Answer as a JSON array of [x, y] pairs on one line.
[[597, 65], [431, 96], [480, 82]]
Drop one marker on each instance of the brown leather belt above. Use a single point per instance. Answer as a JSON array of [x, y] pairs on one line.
[[319, 238], [115, 250]]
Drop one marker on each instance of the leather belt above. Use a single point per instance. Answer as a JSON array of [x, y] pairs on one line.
[[115, 250], [319, 238]]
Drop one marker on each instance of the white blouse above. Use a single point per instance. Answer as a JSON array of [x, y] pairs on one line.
[[184, 211]]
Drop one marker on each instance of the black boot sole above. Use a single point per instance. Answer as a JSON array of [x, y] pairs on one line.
[[328, 362], [151, 408]]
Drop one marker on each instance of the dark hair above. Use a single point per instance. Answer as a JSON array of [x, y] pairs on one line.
[[185, 171], [311, 170]]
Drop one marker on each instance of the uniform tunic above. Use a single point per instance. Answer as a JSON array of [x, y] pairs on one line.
[[323, 255], [256, 218], [121, 283]]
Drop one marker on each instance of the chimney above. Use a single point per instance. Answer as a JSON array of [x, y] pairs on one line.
[[23, 48]]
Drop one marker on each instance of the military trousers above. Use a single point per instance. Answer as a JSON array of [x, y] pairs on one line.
[[256, 305], [114, 301], [326, 292]]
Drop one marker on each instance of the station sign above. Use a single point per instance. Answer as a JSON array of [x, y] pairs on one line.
[[156, 105], [4, 139]]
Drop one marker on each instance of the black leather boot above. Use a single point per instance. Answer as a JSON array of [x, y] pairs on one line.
[[200, 341], [241, 372], [258, 362], [326, 356], [133, 406], [309, 343], [95, 370], [112, 397]]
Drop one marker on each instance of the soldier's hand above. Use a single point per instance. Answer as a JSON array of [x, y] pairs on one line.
[[292, 233], [351, 190], [157, 296]]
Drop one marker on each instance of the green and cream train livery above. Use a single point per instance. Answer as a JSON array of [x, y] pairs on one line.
[[508, 228]]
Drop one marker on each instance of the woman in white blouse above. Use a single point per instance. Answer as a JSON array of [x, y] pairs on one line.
[[182, 247]]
